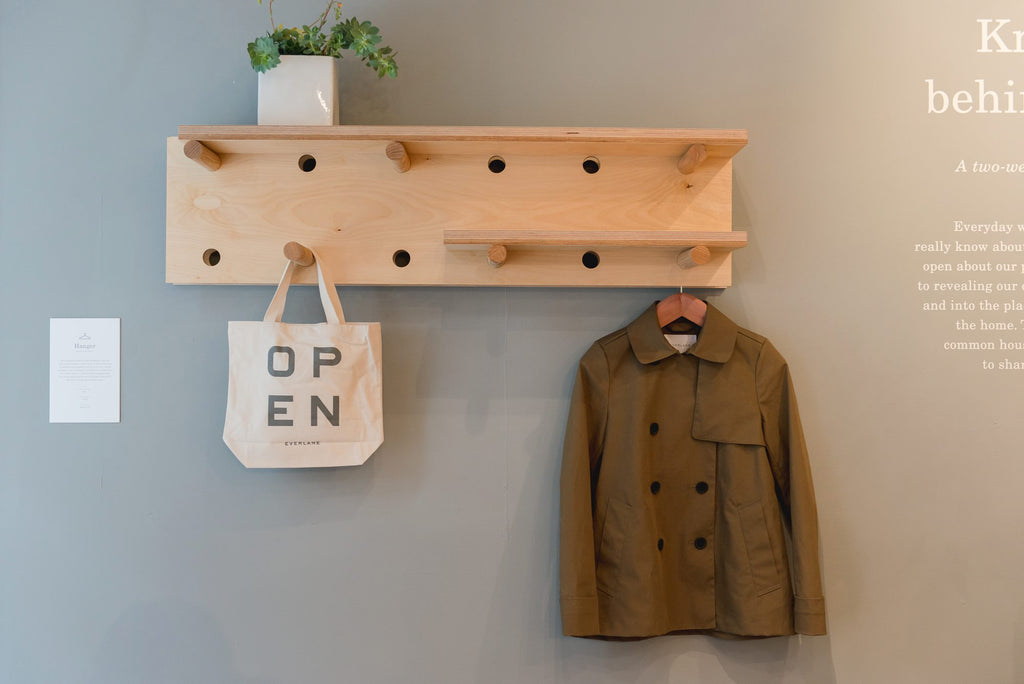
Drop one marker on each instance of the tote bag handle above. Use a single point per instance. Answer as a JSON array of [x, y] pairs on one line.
[[328, 294]]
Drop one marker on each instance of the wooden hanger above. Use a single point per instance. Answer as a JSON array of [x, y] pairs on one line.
[[681, 305]]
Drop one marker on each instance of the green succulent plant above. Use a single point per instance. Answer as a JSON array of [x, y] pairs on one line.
[[361, 37]]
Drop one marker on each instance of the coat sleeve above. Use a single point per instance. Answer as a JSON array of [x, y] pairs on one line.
[[791, 468], [584, 441]]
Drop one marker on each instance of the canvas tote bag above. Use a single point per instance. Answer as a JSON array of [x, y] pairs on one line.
[[304, 395]]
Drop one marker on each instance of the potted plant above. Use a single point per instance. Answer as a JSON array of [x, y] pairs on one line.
[[297, 66]]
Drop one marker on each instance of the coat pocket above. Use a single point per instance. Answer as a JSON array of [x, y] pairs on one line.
[[764, 569], [611, 548]]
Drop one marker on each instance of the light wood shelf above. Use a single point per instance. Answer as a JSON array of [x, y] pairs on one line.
[[696, 246], [431, 205], [597, 238], [735, 139]]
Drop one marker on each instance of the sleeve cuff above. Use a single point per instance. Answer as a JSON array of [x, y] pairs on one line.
[[580, 616], [809, 615]]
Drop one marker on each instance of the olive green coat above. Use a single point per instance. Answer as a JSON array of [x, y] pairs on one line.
[[680, 473]]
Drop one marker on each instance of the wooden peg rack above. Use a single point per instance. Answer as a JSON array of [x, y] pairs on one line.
[[421, 205]]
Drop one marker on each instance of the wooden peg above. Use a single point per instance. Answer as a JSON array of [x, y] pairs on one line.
[[695, 256], [397, 153], [202, 155], [496, 255], [293, 251], [692, 158]]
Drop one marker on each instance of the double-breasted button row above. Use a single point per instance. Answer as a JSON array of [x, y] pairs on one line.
[[701, 487], [700, 543]]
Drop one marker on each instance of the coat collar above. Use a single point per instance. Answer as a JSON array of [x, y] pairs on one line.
[[715, 341]]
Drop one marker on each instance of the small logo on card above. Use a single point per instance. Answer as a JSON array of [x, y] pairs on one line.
[[83, 343]]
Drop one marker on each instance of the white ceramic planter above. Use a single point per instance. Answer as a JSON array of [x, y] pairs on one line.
[[300, 91]]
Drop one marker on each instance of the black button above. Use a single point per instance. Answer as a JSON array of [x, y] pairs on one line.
[[655, 487], [661, 544], [700, 542], [702, 487], [654, 428]]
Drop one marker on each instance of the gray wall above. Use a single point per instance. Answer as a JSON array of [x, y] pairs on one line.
[[144, 552]]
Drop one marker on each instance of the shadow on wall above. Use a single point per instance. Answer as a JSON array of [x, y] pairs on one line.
[[166, 642], [691, 658], [525, 598]]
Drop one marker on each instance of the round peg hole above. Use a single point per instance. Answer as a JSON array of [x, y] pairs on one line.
[[211, 257], [401, 258], [591, 259], [307, 162], [591, 165], [496, 164]]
